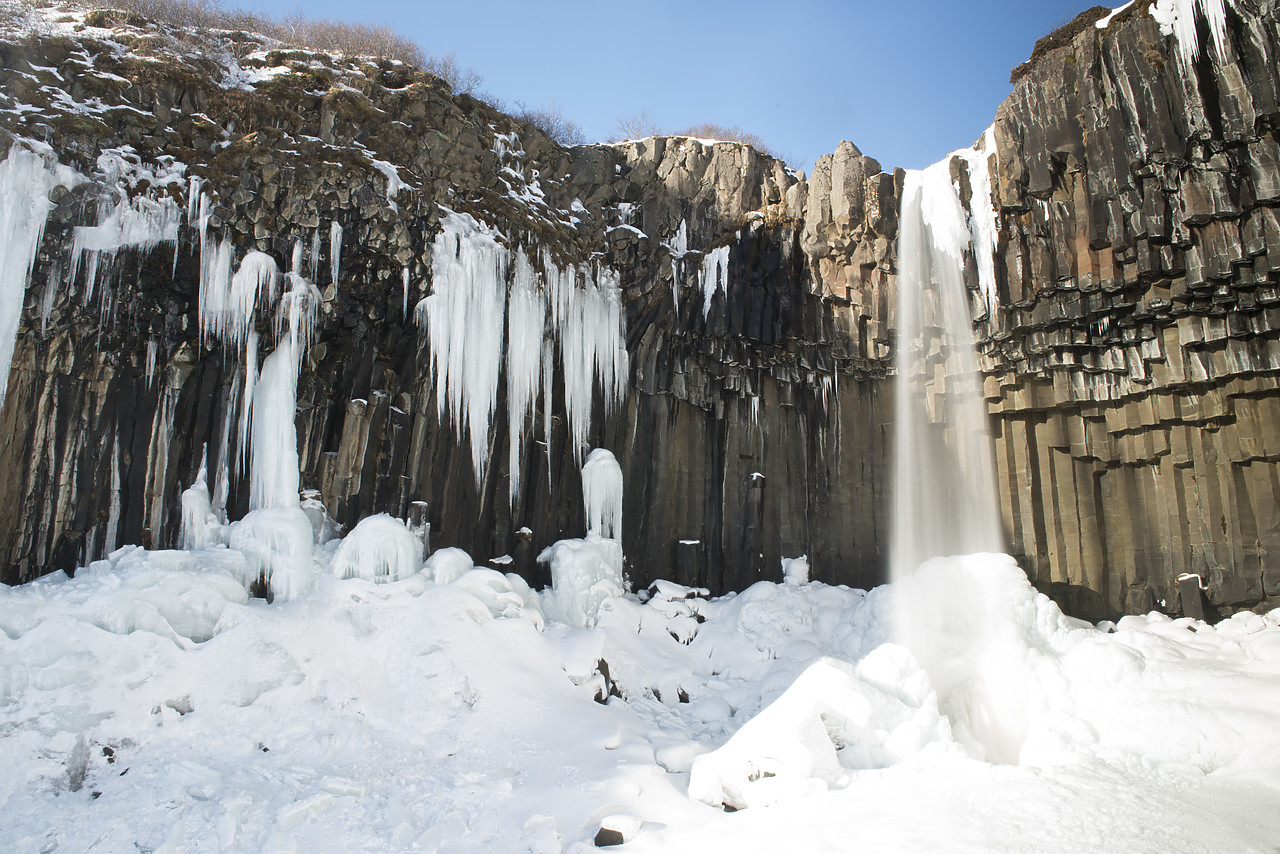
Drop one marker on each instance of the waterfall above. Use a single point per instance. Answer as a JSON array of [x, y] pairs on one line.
[[944, 489]]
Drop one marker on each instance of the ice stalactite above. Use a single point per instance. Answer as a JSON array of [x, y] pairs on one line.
[[944, 485], [273, 471], [26, 179], [579, 308], [714, 276], [335, 250], [404, 289], [464, 317], [141, 224], [526, 324], [1179, 19], [588, 322], [149, 370]]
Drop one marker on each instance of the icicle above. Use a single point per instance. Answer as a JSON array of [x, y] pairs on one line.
[[150, 369], [246, 403], [335, 249], [25, 183], [257, 276], [464, 317], [314, 258], [111, 534], [404, 280], [193, 202], [141, 223], [50, 295], [215, 285], [714, 276], [526, 322], [1178, 18]]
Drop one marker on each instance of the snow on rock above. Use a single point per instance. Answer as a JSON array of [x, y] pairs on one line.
[[380, 548], [795, 570]]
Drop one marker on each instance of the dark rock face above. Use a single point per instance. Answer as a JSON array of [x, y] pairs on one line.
[[1131, 366]]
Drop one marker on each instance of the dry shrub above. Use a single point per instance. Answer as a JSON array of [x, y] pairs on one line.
[[640, 125], [552, 121], [327, 35]]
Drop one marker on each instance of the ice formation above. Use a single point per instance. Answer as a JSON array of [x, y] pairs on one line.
[[602, 494], [1179, 19], [945, 499], [587, 572], [128, 219], [201, 526], [464, 317], [480, 289], [714, 276], [26, 180], [380, 548], [335, 250]]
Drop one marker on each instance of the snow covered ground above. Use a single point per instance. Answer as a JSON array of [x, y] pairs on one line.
[[148, 705]]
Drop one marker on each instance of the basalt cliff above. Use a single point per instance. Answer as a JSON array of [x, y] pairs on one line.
[[723, 324]]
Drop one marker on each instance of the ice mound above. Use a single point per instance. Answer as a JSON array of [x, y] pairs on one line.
[[379, 548], [834, 719], [584, 573]]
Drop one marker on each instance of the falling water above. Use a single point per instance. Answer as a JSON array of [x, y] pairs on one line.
[[945, 498]]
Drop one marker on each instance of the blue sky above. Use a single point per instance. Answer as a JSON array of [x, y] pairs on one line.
[[905, 81]]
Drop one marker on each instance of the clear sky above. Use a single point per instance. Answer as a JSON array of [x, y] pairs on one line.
[[905, 80]]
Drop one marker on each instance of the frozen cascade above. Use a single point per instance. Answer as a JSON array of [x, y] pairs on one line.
[[464, 317], [945, 498], [141, 224], [526, 322], [227, 307], [1178, 18], [586, 572], [714, 276], [273, 472], [589, 323], [201, 527], [25, 182], [578, 308], [602, 494]]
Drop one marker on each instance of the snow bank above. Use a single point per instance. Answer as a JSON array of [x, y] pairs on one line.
[[831, 720], [147, 703]]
